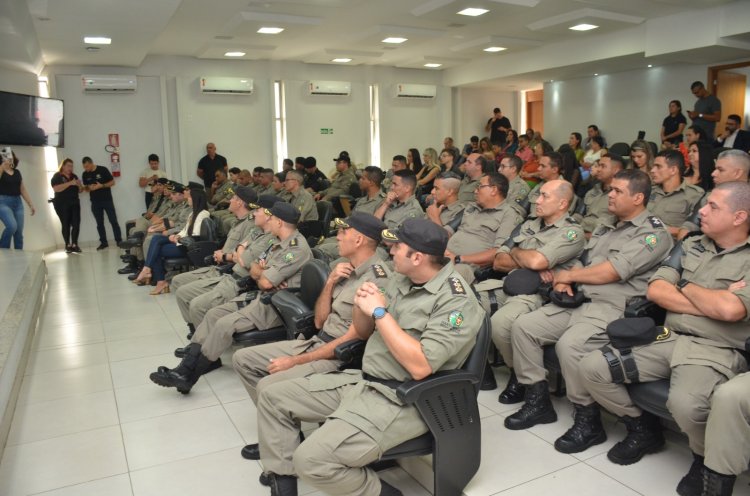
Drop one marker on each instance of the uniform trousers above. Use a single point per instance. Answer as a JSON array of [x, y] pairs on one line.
[[203, 295], [502, 320], [728, 429], [252, 363], [194, 275]]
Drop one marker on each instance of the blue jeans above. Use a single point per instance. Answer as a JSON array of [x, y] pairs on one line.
[[11, 214], [160, 249]]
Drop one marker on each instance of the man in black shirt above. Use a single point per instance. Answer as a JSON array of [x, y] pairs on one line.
[[98, 181], [498, 126], [315, 180], [208, 165]]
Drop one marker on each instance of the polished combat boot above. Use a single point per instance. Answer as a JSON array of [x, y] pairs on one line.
[[538, 409], [644, 436], [692, 483], [587, 430], [514, 391]]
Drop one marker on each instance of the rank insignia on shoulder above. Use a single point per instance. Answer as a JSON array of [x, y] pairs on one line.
[[379, 271], [457, 287], [300, 208], [655, 221], [293, 242], [289, 257]]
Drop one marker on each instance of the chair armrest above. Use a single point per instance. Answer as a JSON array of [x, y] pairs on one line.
[[641, 307], [410, 391], [484, 273], [350, 350], [225, 268]]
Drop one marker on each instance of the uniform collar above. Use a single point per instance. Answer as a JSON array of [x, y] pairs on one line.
[[294, 237], [433, 285], [373, 260]]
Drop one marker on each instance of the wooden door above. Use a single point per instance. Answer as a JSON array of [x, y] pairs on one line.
[[730, 89], [534, 111]]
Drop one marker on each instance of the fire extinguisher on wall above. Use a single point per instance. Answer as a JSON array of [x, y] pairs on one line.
[[113, 148]]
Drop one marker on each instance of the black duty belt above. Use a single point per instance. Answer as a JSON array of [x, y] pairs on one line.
[[325, 337], [393, 384]]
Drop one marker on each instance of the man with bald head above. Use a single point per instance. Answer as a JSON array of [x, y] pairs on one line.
[[209, 164], [447, 205]]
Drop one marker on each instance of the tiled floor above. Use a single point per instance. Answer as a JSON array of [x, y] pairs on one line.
[[89, 421]]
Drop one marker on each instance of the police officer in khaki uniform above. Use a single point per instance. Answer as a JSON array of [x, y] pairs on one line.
[[175, 218], [427, 321], [282, 267], [372, 194], [551, 241], [707, 300], [265, 182], [475, 167], [341, 181], [616, 266], [400, 203], [597, 198], [518, 189], [221, 190], [672, 199], [301, 199], [550, 169], [446, 205]]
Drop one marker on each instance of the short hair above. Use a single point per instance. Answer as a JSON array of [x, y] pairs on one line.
[[674, 158], [565, 191], [696, 84], [638, 182], [408, 177], [220, 171], [399, 158], [258, 169], [296, 174], [546, 147], [235, 170], [288, 161], [555, 161], [155, 158], [678, 103], [739, 159], [500, 182], [299, 160], [734, 117], [699, 131], [449, 151], [450, 180], [739, 196], [374, 174], [267, 172], [310, 162], [593, 126], [615, 159], [281, 176], [516, 162], [496, 110], [486, 164], [598, 140], [474, 139], [449, 138], [87, 160]]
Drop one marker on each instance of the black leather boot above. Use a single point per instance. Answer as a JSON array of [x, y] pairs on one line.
[[538, 409], [692, 483], [587, 430], [716, 484], [488, 380], [191, 331], [186, 374], [282, 485], [514, 391], [644, 436]]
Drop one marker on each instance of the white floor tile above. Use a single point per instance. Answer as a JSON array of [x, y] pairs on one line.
[[63, 383], [570, 481], [119, 485], [143, 346], [70, 357], [151, 400], [126, 373], [244, 415], [226, 384], [135, 327], [74, 334]]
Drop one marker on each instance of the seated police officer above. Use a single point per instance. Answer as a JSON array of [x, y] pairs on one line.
[[616, 265], [447, 205], [400, 203], [280, 268], [707, 298], [518, 189], [672, 199], [597, 198], [426, 321]]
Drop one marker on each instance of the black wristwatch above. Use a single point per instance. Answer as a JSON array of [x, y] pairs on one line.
[[379, 313], [457, 259], [681, 284]]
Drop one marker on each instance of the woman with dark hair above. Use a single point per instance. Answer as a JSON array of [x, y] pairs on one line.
[[12, 190], [414, 160], [700, 165], [510, 147], [695, 133], [673, 124], [575, 143], [163, 247], [570, 170], [67, 205]]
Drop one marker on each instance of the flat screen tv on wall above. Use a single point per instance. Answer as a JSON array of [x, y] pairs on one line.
[[28, 120]]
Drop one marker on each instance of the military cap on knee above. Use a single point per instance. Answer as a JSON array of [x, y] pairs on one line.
[[286, 212], [421, 235], [522, 282], [367, 224]]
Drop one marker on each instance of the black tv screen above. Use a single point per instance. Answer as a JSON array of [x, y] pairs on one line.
[[30, 120]]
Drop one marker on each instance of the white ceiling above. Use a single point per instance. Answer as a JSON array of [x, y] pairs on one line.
[[316, 31]]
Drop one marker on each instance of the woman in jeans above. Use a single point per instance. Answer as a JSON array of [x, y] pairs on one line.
[[67, 186], [11, 207]]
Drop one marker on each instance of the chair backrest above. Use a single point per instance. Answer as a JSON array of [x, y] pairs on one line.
[[325, 210], [314, 275], [477, 360], [208, 229], [620, 148], [355, 191]]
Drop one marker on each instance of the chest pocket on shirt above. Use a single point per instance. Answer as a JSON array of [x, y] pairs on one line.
[[680, 207], [727, 274]]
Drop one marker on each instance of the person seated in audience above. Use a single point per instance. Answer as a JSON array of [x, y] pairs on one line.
[[592, 132], [299, 164], [280, 266], [695, 133], [414, 160], [448, 144], [256, 177], [474, 167], [287, 165], [673, 124], [535, 138], [673, 199], [551, 241], [160, 205], [597, 198], [734, 136], [593, 153], [575, 143], [486, 225], [570, 169], [233, 174], [700, 165], [341, 181], [429, 171], [278, 185], [265, 182], [704, 290], [221, 191], [511, 144], [244, 178], [300, 198], [426, 322], [447, 160], [471, 147], [641, 156], [163, 247], [484, 145], [550, 169], [315, 180], [447, 204], [173, 221], [620, 259], [399, 162], [529, 172], [524, 152], [400, 203], [518, 189]]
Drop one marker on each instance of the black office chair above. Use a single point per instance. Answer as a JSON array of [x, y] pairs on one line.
[[197, 248], [620, 148], [312, 230]]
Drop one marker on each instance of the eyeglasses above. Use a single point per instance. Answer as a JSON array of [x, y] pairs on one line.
[[483, 186]]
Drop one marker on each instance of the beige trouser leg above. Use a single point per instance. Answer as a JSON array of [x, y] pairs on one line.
[[186, 292], [192, 276], [728, 429], [217, 294], [530, 333], [502, 322], [215, 332]]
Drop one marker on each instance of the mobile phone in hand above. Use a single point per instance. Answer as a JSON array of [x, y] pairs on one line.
[[7, 154]]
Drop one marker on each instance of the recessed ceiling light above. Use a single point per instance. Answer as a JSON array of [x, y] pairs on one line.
[[433, 66], [596, 74], [270, 30], [551, 80], [395, 40], [97, 40], [583, 27], [650, 66], [343, 60], [472, 11], [234, 54], [494, 49]]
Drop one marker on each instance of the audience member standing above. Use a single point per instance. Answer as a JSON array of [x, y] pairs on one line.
[[673, 124], [67, 205], [98, 181], [498, 126], [149, 176], [707, 110], [11, 207], [208, 165]]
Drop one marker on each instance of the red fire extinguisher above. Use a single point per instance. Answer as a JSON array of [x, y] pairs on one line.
[[114, 153]]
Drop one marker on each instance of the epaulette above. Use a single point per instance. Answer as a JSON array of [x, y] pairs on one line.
[[457, 287], [655, 221], [293, 242], [379, 271]]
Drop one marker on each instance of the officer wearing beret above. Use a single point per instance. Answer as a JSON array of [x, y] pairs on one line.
[[597, 198], [551, 241], [707, 299], [672, 198], [616, 265], [280, 267], [341, 180], [426, 321]]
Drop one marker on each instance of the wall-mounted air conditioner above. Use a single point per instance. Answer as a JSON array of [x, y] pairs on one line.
[[329, 88], [403, 90], [109, 84], [227, 85]]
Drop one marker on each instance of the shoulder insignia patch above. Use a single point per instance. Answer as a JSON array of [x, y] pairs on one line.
[[289, 257], [457, 287], [571, 235], [379, 271], [293, 242], [655, 221]]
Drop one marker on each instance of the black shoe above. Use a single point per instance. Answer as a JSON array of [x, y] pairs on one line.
[[128, 269], [251, 452], [388, 490], [538, 409], [514, 391], [488, 381], [644, 436], [587, 430], [692, 483], [69, 249], [102, 246], [716, 484], [191, 331], [76, 249], [264, 479], [186, 374], [282, 485]]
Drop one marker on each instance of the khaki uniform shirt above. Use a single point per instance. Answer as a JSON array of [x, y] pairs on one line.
[[285, 260], [518, 190], [560, 243], [258, 242], [225, 192], [635, 248], [268, 190], [398, 212], [675, 207], [178, 216], [283, 194], [340, 184], [596, 201], [152, 206], [450, 212], [483, 228], [689, 225], [369, 205], [467, 188], [303, 201], [238, 232]]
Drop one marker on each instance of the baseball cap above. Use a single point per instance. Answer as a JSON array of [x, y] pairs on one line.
[[419, 234]]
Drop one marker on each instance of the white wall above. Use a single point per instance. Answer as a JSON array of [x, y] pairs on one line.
[[621, 104], [473, 106]]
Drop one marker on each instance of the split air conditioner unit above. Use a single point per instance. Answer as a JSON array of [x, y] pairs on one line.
[[109, 84], [403, 90], [227, 85], [330, 88]]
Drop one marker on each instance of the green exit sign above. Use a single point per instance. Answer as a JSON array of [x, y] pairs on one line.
[[326, 130]]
